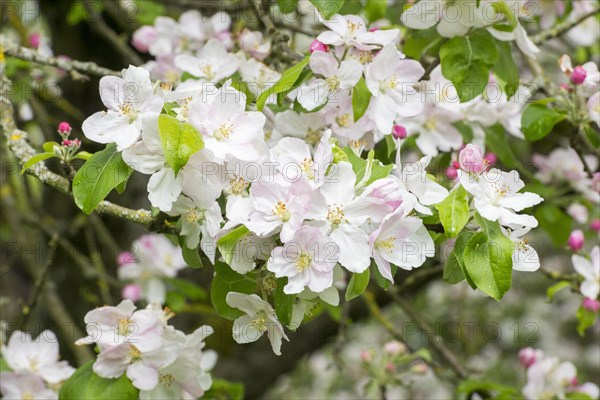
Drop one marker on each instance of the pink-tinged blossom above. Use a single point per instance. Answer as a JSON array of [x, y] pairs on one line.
[[592, 305], [228, 130], [595, 225], [40, 356], [471, 159], [307, 261], [529, 356], [593, 107], [589, 269], [253, 43], [318, 46], [24, 385], [391, 81], [128, 100]]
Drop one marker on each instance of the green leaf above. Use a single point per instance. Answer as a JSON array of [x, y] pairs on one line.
[[3, 365], [420, 42], [284, 303], [496, 141], [555, 222], [538, 121], [285, 83], [85, 384], [104, 171], [226, 244], [224, 390], [488, 259], [357, 285], [175, 301], [189, 289], [552, 290], [466, 61], [145, 11], [586, 319], [49, 146], [36, 159], [191, 256], [454, 211], [502, 8], [327, 8], [361, 97], [83, 155], [381, 281], [179, 141], [506, 70], [360, 166], [375, 9], [287, 6], [455, 270], [226, 280]]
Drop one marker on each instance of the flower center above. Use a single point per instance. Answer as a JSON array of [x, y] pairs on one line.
[[332, 83], [194, 215], [390, 83], [365, 57], [430, 124], [313, 136], [307, 167], [336, 215], [124, 327], [352, 28], [357, 146], [260, 322], [223, 131], [134, 354], [166, 379], [303, 261], [238, 185], [343, 120], [207, 70], [281, 211], [386, 244], [128, 111]]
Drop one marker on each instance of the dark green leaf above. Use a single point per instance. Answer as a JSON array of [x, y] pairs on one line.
[[538, 121], [496, 141], [285, 83], [375, 9], [361, 97], [85, 384], [506, 70], [327, 8], [226, 280], [357, 285], [104, 171], [552, 290], [284, 303], [555, 222]]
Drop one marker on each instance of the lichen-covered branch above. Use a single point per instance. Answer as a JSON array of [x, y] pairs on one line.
[[76, 68], [562, 28]]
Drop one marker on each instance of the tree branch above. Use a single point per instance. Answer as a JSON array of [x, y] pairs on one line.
[[562, 28], [73, 66]]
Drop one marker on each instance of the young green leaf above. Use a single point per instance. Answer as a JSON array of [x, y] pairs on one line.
[[357, 285], [506, 70], [179, 140], [327, 8], [85, 384], [284, 303], [36, 159], [104, 171], [454, 211], [226, 280], [285, 83], [538, 121], [361, 97], [467, 60]]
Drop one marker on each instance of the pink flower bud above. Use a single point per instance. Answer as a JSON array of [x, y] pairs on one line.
[[527, 357], [366, 356], [394, 348], [455, 164], [131, 292], [125, 257], [471, 159], [390, 367], [591, 304], [34, 40], [399, 132], [576, 240], [491, 158], [452, 173], [318, 46], [595, 225], [143, 38], [373, 29], [66, 143], [578, 76], [419, 368], [64, 128], [76, 142]]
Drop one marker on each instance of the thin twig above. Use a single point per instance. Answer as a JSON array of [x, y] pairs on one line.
[[434, 339], [96, 259], [562, 28], [76, 68]]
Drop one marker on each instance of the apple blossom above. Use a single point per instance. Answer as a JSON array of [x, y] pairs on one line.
[[590, 271], [260, 318], [336, 77], [318, 46], [212, 63], [497, 198], [24, 385], [254, 44], [471, 159], [391, 81], [350, 30], [128, 100], [36, 356], [307, 261], [576, 240]]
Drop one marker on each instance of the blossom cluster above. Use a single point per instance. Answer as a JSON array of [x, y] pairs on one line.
[[35, 371], [161, 361]]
